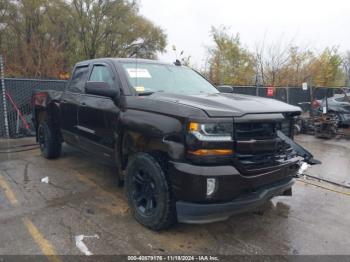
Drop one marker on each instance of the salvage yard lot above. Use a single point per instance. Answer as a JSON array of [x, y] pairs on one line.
[[82, 198]]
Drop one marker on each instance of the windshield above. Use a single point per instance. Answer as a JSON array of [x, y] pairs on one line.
[[147, 77]]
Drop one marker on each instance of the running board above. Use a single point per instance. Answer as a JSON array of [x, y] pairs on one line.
[[308, 157]]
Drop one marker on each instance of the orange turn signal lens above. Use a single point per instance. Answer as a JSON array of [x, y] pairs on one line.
[[194, 126], [211, 152]]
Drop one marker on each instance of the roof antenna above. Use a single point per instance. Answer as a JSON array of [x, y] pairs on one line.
[[138, 44], [177, 62]]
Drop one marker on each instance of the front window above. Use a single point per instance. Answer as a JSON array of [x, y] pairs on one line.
[[147, 77], [101, 73], [80, 74]]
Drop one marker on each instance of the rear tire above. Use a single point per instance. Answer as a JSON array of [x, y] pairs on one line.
[[149, 192], [49, 140]]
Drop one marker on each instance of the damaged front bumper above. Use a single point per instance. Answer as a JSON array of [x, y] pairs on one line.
[[237, 189], [207, 213], [235, 192], [302, 152]]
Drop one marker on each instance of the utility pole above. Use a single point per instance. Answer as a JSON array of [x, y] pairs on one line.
[[311, 96], [4, 101]]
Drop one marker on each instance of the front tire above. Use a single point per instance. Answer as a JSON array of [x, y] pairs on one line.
[[49, 141], [149, 192]]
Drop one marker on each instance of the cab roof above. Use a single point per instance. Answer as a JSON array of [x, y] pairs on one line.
[[121, 60]]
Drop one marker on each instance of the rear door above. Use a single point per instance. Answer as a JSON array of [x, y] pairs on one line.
[[70, 102], [97, 115]]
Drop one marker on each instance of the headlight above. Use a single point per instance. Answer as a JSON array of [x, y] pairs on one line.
[[212, 132]]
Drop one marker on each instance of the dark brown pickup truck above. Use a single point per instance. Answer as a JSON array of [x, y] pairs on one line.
[[186, 152]]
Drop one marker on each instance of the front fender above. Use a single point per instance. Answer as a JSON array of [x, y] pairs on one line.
[[147, 131], [136, 142]]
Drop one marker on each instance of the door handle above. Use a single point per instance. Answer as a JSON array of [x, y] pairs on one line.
[[83, 104]]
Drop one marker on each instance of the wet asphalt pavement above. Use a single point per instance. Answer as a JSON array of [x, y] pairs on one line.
[[335, 156], [82, 198]]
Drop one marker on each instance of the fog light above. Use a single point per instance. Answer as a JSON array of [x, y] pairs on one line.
[[211, 186]]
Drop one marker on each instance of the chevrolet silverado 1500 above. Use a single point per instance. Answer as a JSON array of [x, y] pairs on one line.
[[185, 151]]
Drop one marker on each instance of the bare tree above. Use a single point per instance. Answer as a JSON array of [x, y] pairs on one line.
[[259, 66], [346, 64], [270, 62]]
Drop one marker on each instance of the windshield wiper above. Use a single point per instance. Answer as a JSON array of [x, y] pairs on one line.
[[148, 93]]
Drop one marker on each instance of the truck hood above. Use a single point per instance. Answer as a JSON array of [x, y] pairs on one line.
[[228, 105]]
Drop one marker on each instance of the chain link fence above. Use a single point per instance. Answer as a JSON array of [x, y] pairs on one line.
[[18, 93], [292, 95]]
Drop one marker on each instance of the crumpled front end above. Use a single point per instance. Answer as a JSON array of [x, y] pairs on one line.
[[263, 165]]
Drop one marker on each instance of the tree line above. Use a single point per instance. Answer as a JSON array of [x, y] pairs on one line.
[[44, 38], [279, 64]]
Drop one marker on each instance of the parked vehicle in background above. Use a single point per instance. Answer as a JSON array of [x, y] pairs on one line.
[[337, 105], [187, 152]]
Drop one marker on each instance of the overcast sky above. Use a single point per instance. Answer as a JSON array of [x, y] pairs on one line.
[[312, 23]]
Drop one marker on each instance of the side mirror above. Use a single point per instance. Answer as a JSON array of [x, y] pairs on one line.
[[101, 89], [225, 89]]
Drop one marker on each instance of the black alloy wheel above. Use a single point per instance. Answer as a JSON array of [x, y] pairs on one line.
[[149, 192], [144, 193]]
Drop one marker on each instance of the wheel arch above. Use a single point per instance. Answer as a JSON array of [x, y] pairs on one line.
[[166, 146], [50, 113]]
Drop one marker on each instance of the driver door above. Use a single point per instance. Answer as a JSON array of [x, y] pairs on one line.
[[70, 104], [97, 115]]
